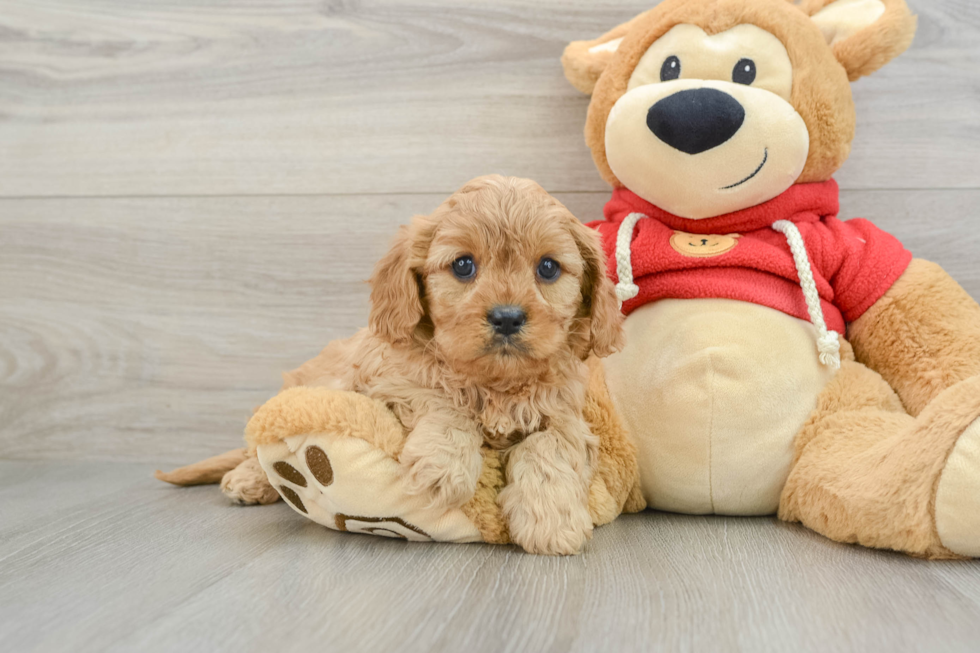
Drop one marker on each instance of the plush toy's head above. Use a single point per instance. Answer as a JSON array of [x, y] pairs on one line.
[[704, 107]]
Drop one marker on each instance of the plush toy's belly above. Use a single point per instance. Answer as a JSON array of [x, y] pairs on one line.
[[713, 392]]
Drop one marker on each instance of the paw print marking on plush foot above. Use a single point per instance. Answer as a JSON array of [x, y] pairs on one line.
[[290, 495], [289, 473], [394, 527], [314, 475], [319, 465]]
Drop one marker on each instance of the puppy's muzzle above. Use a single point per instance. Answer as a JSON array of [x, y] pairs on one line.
[[696, 120], [507, 320]]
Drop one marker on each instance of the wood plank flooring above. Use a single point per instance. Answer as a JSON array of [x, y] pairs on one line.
[[192, 193], [94, 558]]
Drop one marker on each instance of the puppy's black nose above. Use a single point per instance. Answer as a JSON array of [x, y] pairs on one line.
[[696, 120], [507, 320]]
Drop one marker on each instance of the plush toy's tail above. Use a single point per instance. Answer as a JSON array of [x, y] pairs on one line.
[[204, 472]]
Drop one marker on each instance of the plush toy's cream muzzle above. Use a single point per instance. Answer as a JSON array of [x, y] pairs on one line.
[[702, 148]]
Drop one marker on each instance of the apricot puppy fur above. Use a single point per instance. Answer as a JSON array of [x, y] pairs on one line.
[[482, 316]]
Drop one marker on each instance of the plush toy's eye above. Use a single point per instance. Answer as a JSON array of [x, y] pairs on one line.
[[464, 268], [671, 69], [744, 72], [549, 269]]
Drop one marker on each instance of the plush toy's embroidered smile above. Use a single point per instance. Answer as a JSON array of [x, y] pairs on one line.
[[765, 157]]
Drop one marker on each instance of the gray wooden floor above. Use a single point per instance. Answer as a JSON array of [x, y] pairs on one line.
[[191, 195]]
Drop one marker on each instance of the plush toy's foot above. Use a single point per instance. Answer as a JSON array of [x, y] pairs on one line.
[[332, 457], [868, 472], [958, 496], [347, 484]]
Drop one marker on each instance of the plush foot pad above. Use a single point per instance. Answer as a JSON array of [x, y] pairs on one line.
[[958, 496], [347, 484]]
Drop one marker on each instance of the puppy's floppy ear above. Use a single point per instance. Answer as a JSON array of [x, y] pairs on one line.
[[584, 61], [864, 34], [598, 295], [396, 284]]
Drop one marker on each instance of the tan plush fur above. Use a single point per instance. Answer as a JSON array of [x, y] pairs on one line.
[[923, 336], [866, 471], [301, 409], [583, 62], [821, 93], [872, 47]]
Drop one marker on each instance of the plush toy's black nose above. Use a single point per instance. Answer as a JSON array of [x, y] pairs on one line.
[[507, 320], [696, 120]]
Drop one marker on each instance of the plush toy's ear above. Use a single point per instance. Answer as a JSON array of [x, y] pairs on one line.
[[584, 61], [864, 34]]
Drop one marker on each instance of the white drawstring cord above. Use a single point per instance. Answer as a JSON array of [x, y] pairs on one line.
[[828, 342], [626, 289]]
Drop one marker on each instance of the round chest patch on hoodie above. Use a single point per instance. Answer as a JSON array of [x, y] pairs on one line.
[[702, 245]]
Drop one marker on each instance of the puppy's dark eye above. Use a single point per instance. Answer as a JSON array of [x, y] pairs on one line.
[[744, 72], [671, 69], [464, 268], [549, 269]]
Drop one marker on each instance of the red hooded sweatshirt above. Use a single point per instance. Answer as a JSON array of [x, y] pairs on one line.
[[740, 256]]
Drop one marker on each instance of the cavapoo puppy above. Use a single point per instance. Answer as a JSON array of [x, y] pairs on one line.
[[482, 316]]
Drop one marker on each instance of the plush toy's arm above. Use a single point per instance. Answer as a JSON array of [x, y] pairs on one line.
[[922, 336]]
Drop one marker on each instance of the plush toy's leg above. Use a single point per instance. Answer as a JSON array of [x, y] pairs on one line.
[[867, 472], [333, 456], [306, 410], [316, 410]]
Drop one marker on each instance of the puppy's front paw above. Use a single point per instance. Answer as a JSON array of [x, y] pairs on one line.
[[247, 484], [447, 475], [546, 525]]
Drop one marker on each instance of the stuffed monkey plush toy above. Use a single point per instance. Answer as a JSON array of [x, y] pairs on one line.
[[719, 125]]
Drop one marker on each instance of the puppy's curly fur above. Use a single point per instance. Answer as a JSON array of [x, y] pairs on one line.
[[431, 354]]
